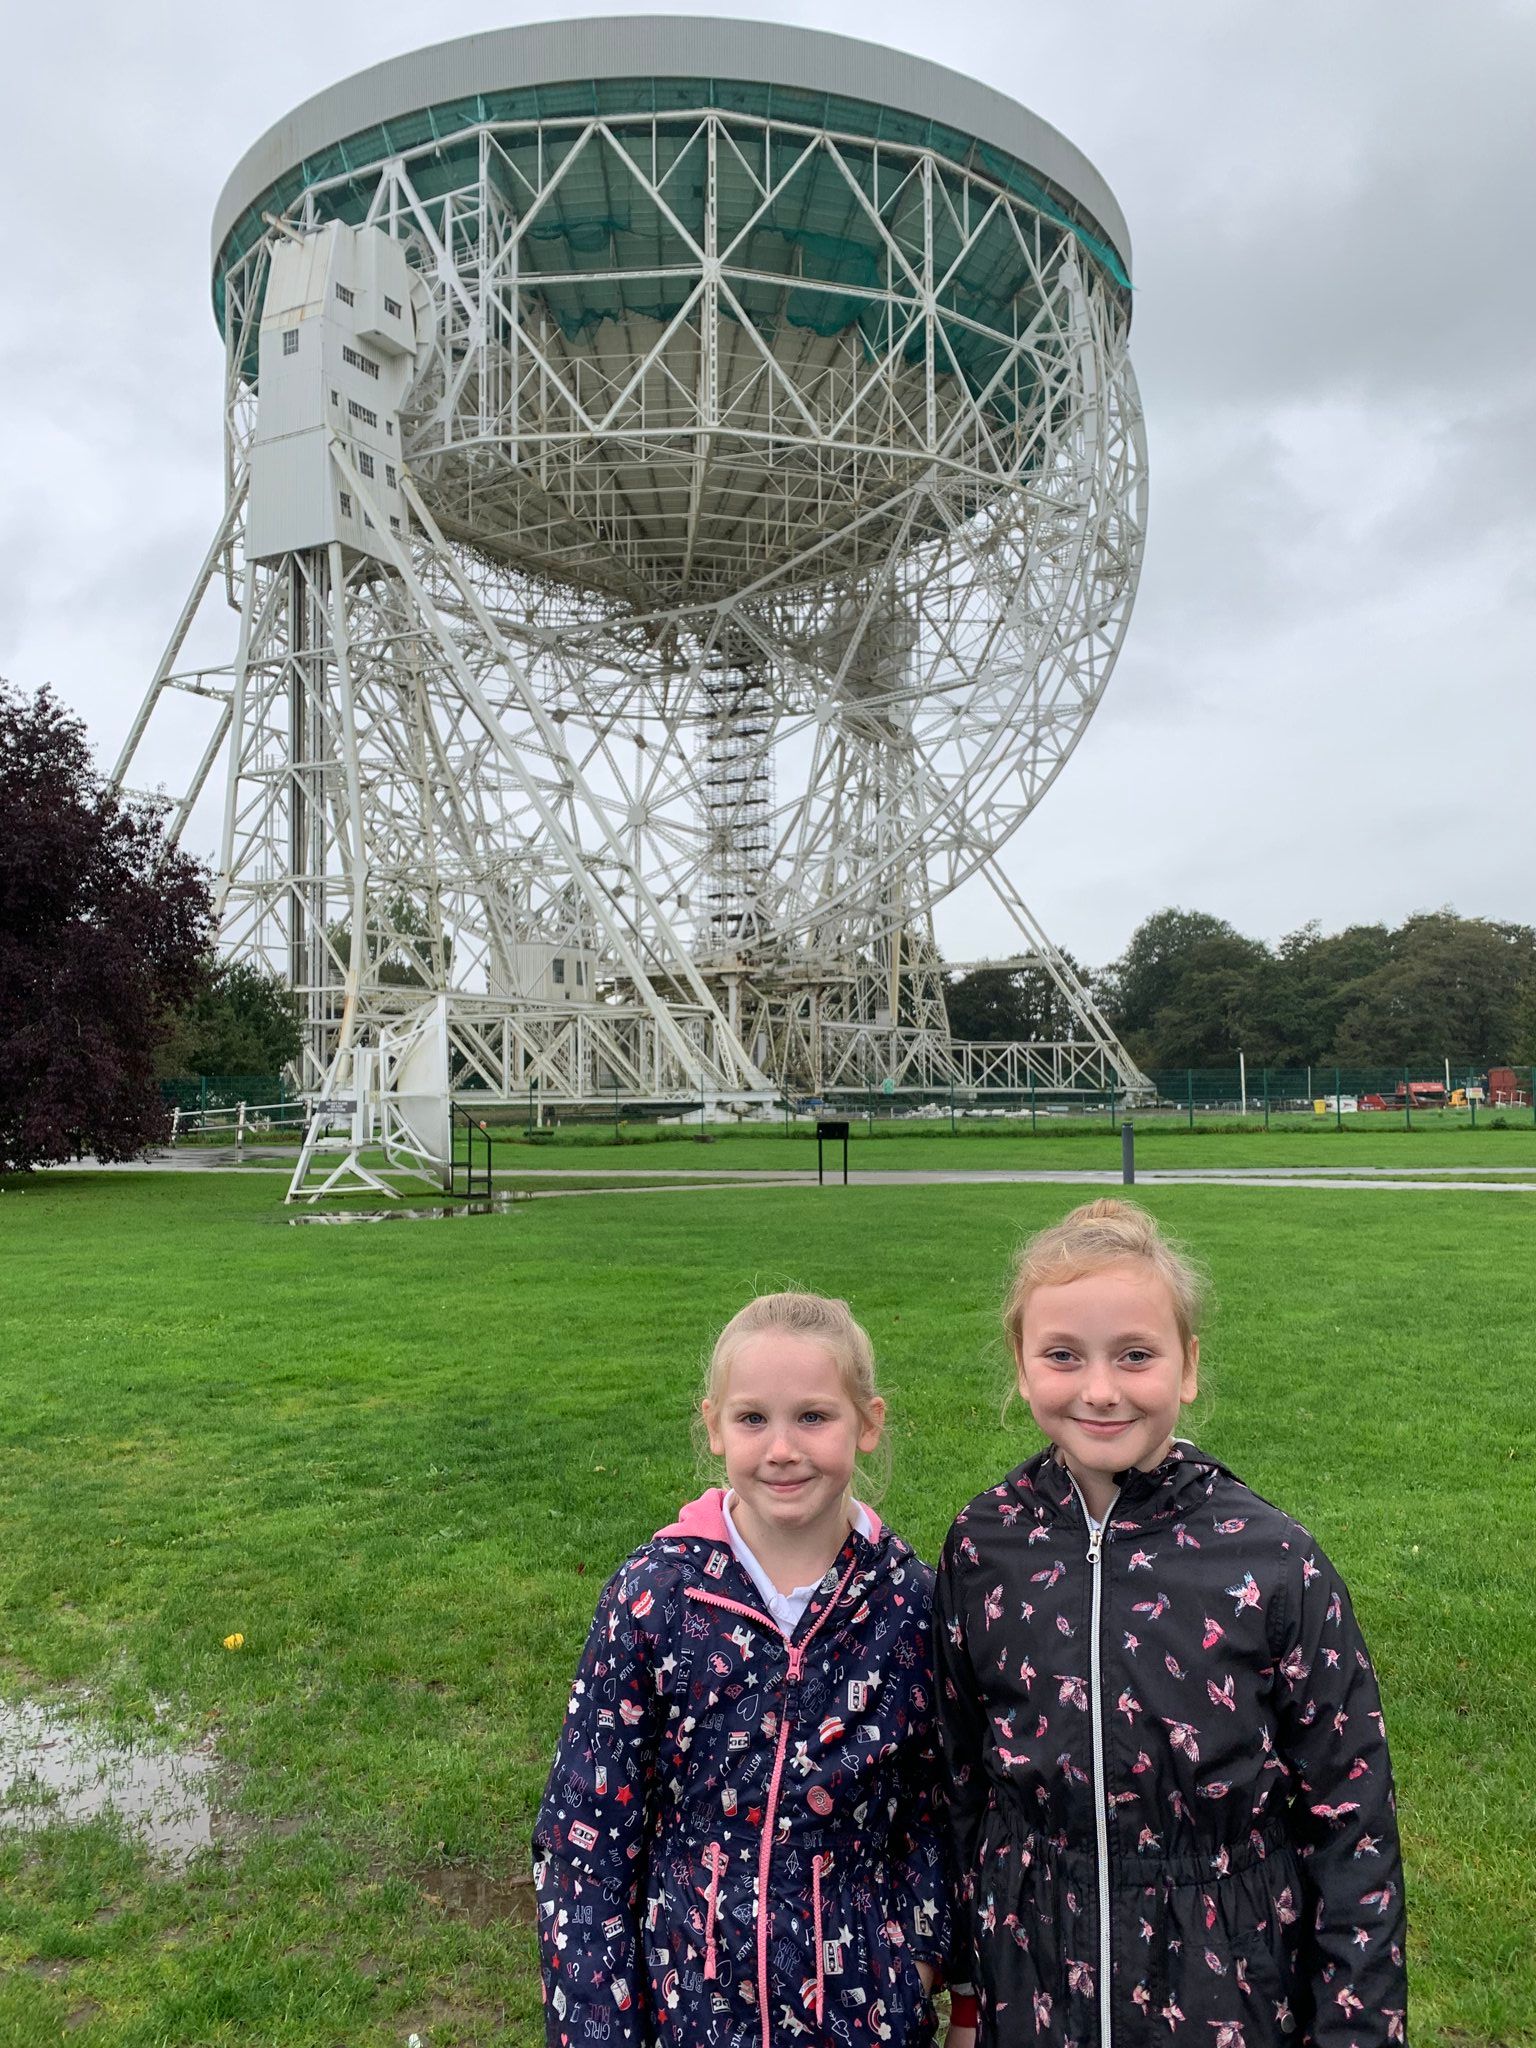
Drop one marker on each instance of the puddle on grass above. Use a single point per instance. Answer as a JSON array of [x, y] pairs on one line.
[[496, 1205], [482, 1901], [55, 1768]]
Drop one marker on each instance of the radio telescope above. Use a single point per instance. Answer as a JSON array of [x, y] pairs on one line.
[[686, 491]]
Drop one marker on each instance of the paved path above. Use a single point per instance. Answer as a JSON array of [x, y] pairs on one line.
[[1511, 1180]]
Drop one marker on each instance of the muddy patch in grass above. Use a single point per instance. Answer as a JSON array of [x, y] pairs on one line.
[[466, 1894]]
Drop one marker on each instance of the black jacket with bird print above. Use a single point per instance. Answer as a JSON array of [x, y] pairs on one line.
[[1171, 1796]]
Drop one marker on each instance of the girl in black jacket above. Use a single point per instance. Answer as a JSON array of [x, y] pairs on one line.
[[1171, 1795]]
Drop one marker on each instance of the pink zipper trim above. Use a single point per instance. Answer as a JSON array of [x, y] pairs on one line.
[[765, 1851], [714, 1862], [816, 1868]]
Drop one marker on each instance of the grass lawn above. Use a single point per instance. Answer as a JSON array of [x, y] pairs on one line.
[[400, 1462]]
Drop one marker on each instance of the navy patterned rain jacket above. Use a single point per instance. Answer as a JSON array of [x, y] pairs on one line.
[[1172, 1798], [738, 1846]]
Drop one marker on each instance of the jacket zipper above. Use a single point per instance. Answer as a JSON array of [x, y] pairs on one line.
[[1096, 1533], [791, 1677]]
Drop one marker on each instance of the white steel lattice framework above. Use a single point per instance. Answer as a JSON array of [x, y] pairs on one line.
[[679, 529]]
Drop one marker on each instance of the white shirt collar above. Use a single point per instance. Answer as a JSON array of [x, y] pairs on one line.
[[785, 1608]]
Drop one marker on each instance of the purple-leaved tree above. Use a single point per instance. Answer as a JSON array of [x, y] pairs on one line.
[[104, 932]]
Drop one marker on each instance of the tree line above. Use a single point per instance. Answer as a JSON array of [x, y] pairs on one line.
[[1190, 990]]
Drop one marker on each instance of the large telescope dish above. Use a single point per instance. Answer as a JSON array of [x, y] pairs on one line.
[[657, 273]]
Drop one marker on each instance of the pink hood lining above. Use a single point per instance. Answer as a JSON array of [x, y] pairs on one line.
[[705, 1518]]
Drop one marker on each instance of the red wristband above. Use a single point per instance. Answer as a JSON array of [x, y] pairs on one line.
[[963, 2009]]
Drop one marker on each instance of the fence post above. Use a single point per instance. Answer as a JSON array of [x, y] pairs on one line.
[[240, 1129], [1338, 1102], [1128, 1153], [1109, 1094], [1407, 1102]]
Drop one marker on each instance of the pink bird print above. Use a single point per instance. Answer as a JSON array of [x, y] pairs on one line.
[[1216, 1788], [1153, 1609], [1232, 1528], [969, 1551], [1183, 1738], [1010, 1512], [1143, 1763], [1132, 1643], [1208, 1908], [1175, 1668], [1222, 1695], [1027, 1610], [1128, 1705], [1394, 2018], [1310, 1568], [1147, 1839], [1010, 1761], [1184, 1540], [1039, 1534], [1041, 1724], [1003, 1723], [1074, 1692], [1057, 1571], [1285, 2019], [992, 1606], [1229, 2033], [1141, 1560], [1027, 1674], [1240, 1972], [1366, 1846], [1221, 1863], [1063, 1626], [1247, 1594], [1337, 1812], [1285, 1908], [1042, 2011], [1294, 1667], [1336, 1613], [1172, 2014], [1080, 1977], [1346, 2000], [1379, 1899], [1214, 1963]]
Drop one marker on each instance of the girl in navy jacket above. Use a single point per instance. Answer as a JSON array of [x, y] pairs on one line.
[[1172, 1801], [738, 1846]]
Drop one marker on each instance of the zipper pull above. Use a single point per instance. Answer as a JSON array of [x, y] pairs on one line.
[[1095, 1541]]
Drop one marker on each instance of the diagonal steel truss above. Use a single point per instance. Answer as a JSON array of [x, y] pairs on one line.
[[737, 620]]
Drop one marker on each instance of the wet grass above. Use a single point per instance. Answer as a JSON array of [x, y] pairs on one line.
[[400, 1462]]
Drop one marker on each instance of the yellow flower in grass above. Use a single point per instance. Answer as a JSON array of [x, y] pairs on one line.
[[235, 1642]]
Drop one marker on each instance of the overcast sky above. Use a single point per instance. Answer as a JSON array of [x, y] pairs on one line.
[[1325, 704]]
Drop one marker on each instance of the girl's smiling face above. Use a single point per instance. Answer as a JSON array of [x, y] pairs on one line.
[[1105, 1370], [789, 1433]]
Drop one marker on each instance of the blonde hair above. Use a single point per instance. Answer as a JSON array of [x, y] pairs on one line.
[[824, 1321], [1098, 1234]]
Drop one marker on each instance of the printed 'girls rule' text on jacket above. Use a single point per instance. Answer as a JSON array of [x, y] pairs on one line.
[[1171, 1793], [738, 1846]]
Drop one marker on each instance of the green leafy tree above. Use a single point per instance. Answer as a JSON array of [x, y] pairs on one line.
[[1452, 988], [241, 1021], [1001, 1003]]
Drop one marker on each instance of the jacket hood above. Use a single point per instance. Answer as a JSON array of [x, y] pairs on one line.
[[704, 1518]]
